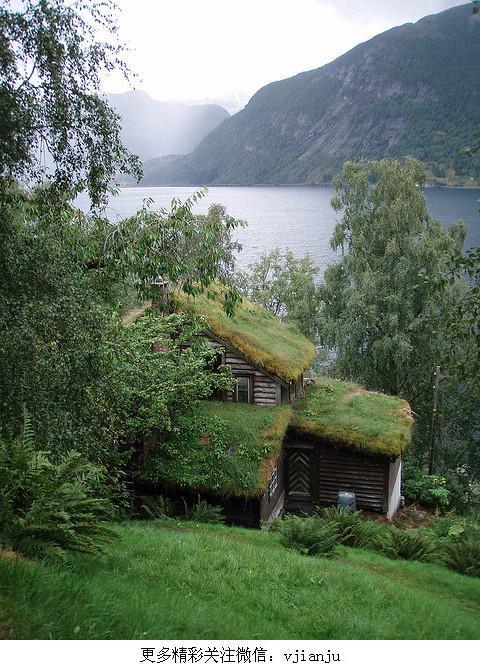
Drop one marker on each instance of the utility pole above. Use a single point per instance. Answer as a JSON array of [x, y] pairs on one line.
[[434, 420]]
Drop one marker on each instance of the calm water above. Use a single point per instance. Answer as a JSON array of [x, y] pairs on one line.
[[299, 218]]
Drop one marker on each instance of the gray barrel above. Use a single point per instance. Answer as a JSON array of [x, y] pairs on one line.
[[346, 500]]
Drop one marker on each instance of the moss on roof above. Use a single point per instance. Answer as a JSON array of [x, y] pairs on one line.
[[261, 337], [229, 448], [346, 413]]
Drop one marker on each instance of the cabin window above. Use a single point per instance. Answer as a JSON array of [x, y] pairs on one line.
[[243, 390], [273, 482]]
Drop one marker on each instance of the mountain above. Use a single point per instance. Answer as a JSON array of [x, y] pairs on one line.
[[414, 89], [152, 128]]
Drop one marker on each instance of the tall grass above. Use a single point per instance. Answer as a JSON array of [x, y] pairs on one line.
[[179, 580]]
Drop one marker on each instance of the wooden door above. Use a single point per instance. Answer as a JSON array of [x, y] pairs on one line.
[[299, 473]]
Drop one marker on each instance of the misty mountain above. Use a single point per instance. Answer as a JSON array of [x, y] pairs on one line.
[[414, 89], [152, 128]]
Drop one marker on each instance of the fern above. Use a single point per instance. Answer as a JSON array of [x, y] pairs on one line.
[[48, 508], [413, 545]]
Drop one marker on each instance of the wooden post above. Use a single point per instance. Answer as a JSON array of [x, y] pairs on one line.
[[434, 421]]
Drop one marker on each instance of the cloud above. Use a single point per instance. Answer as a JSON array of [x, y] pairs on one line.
[[386, 10]]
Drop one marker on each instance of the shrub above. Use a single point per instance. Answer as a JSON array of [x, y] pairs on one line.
[[157, 507], [347, 523], [49, 507], [203, 511], [413, 545], [430, 490], [353, 530], [463, 555], [309, 535]]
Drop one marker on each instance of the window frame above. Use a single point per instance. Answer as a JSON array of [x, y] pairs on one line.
[[249, 388], [273, 482]]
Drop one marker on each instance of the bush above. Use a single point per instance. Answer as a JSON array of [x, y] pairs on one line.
[[157, 507], [430, 490], [309, 535], [203, 511], [47, 507], [413, 545], [453, 526], [463, 555], [353, 530]]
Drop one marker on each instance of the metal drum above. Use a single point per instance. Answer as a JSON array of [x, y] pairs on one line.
[[346, 500]]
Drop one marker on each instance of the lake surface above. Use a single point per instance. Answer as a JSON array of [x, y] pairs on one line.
[[299, 218]]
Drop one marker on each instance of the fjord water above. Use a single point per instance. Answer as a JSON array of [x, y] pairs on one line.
[[299, 218]]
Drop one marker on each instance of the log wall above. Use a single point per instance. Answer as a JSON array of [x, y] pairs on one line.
[[263, 388], [324, 469]]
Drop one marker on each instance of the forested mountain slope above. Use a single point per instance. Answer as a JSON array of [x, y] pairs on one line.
[[414, 89]]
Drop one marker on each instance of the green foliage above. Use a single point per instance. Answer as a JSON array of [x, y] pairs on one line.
[[205, 512], [429, 490], [309, 536], [160, 367], [156, 507], [223, 447], [463, 556], [90, 383], [280, 348], [190, 251], [49, 507], [396, 305], [286, 287], [52, 63], [56, 327], [375, 305], [413, 545], [353, 530], [346, 413]]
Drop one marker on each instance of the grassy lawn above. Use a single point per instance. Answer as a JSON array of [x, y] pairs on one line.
[[171, 580]]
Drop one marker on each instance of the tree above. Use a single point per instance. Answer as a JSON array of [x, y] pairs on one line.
[[51, 62], [285, 286], [61, 336], [376, 301], [398, 304]]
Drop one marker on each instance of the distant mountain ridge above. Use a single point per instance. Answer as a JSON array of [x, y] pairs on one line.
[[414, 89], [152, 128]]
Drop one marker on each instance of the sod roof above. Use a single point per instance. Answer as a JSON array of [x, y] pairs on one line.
[[345, 413], [229, 448], [261, 337]]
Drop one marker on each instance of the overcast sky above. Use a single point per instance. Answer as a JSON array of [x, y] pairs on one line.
[[214, 49]]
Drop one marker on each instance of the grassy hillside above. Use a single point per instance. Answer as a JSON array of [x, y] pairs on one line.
[[171, 580], [411, 90]]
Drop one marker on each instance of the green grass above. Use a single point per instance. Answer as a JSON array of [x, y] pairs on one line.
[[229, 448], [263, 339], [171, 580], [346, 413]]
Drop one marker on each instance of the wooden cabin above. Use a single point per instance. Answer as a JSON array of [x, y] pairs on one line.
[[271, 445], [344, 438]]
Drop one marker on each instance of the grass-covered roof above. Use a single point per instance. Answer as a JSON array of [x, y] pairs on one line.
[[261, 337], [345, 413], [229, 448]]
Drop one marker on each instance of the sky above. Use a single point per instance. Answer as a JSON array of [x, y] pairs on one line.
[[202, 50]]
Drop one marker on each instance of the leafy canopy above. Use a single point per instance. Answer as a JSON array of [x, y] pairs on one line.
[[53, 122], [375, 300], [286, 287]]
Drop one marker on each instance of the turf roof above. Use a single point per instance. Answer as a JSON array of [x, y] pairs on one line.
[[261, 337], [346, 413], [229, 448]]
